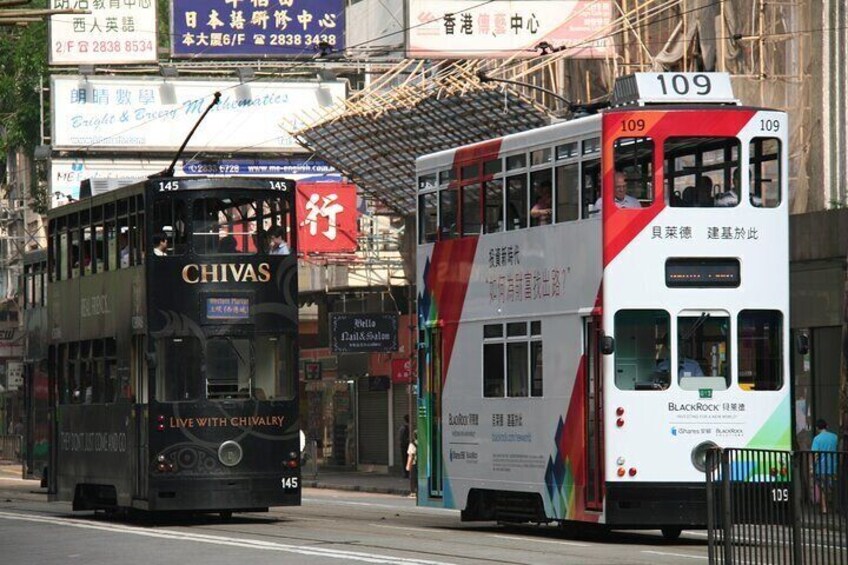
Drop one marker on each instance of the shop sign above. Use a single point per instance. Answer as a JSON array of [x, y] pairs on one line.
[[155, 114], [363, 333], [329, 217], [450, 29], [312, 370], [204, 29], [401, 371], [108, 32]]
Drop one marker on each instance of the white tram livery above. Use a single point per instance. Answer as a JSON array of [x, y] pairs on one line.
[[601, 301]]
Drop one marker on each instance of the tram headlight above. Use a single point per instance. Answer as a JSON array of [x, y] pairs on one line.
[[699, 455], [230, 453]]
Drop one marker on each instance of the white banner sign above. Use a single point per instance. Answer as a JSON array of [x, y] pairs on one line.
[[114, 31], [156, 114], [14, 375], [468, 29]]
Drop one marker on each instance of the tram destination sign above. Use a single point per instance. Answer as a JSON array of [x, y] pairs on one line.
[[363, 333]]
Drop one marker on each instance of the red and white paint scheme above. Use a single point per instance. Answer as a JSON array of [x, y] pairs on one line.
[[583, 345]]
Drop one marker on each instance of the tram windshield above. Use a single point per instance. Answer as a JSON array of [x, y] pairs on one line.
[[224, 368]]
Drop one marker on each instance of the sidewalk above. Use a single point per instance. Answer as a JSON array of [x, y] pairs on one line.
[[326, 479], [357, 481]]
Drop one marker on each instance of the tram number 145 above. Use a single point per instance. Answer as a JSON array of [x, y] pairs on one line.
[[290, 483]]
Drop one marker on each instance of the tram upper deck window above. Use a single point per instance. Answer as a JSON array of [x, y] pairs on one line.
[[699, 171], [641, 337], [634, 158], [448, 213], [493, 196], [169, 217], [703, 351], [427, 218], [228, 225], [764, 173], [760, 349]]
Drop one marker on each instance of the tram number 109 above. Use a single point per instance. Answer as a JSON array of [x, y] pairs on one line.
[[682, 85]]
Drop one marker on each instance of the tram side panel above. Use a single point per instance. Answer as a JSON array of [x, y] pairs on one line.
[[95, 430], [521, 442]]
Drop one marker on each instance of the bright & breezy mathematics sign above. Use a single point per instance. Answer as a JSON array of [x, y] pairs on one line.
[[256, 28], [114, 114], [114, 31]]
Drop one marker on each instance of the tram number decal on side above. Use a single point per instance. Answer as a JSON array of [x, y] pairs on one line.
[[290, 483], [770, 126], [680, 84]]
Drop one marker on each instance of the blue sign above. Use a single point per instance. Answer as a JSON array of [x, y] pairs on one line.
[[300, 168], [256, 28], [227, 308]]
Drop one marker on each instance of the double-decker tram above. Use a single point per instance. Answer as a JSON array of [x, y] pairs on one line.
[[601, 301], [172, 315]]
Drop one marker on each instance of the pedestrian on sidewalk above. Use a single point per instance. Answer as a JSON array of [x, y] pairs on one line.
[[403, 434], [412, 464], [825, 463]]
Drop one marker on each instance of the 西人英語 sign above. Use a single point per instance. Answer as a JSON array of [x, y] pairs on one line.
[[110, 32]]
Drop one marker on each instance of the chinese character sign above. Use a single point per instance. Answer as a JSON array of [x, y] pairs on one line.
[[128, 114], [505, 28], [250, 28], [326, 214], [114, 31]]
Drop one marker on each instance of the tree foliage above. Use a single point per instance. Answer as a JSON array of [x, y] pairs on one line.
[[23, 63]]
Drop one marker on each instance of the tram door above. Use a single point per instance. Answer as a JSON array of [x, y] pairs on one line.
[[139, 380], [593, 410], [433, 383]]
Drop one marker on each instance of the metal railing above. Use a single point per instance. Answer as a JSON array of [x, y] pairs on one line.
[[777, 507]]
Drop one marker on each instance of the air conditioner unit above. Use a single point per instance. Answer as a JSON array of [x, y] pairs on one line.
[[18, 204]]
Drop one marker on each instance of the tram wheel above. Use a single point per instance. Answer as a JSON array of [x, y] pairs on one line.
[[671, 533], [226, 514]]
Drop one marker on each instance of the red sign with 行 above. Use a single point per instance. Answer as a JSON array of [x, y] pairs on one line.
[[326, 215], [401, 371]]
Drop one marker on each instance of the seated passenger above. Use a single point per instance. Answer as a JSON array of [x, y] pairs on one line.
[[730, 197], [228, 244], [704, 193], [686, 366], [541, 212], [622, 199], [160, 244]]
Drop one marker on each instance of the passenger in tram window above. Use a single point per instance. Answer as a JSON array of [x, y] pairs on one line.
[[542, 211], [160, 244], [228, 244], [622, 199], [730, 197], [124, 246], [704, 193], [686, 366], [278, 243]]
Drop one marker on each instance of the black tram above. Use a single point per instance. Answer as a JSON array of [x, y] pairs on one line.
[[173, 347]]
